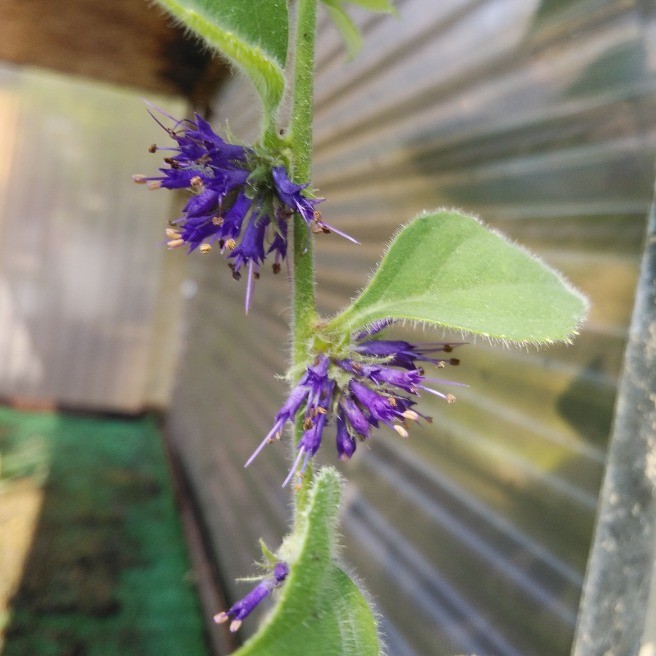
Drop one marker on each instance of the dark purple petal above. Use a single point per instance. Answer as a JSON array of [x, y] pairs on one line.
[[233, 219], [178, 178], [290, 195], [279, 245], [280, 571], [195, 231], [356, 418], [294, 401], [406, 380], [227, 179], [251, 247], [377, 405], [203, 203], [344, 442], [287, 190]]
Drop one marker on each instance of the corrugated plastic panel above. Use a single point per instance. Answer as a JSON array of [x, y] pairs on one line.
[[80, 255], [473, 534]]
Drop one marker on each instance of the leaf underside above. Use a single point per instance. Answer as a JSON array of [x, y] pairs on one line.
[[252, 34]]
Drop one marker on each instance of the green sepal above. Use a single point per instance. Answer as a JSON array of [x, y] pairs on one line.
[[447, 269], [269, 557], [320, 610], [252, 34]]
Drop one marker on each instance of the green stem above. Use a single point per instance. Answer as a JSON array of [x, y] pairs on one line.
[[304, 312]]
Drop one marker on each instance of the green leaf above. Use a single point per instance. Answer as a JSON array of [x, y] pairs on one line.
[[347, 28], [446, 268], [252, 34], [320, 611]]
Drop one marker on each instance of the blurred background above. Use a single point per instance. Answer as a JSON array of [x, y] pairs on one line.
[[473, 535]]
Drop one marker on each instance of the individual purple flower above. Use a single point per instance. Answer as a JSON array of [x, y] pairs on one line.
[[290, 194], [307, 388], [344, 442], [316, 414], [372, 381], [241, 199], [240, 610]]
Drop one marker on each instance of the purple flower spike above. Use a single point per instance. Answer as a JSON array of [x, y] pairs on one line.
[[369, 382], [240, 199], [239, 611]]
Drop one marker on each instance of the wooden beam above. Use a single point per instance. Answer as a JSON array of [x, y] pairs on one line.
[[124, 42]]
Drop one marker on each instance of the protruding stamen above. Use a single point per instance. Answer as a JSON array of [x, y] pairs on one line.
[[139, 178], [249, 287], [400, 430], [175, 243], [172, 233], [274, 434], [292, 471], [205, 248], [220, 618]]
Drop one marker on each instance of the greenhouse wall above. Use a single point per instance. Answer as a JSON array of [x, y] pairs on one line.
[[88, 300], [472, 535]]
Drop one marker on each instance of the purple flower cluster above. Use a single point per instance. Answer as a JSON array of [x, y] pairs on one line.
[[240, 203], [375, 382], [245, 606]]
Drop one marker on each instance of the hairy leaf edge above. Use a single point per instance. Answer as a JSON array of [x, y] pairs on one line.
[[341, 319]]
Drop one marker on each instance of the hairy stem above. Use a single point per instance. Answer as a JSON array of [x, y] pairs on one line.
[[304, 308]]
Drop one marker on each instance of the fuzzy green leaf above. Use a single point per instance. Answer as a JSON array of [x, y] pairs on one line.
[[320, 610], [446, 268], [252, 34]]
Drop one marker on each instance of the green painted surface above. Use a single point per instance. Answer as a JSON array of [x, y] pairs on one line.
[[107, 571]]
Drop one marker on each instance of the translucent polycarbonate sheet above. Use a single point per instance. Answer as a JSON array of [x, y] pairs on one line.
[[473, 534], [80, 244]]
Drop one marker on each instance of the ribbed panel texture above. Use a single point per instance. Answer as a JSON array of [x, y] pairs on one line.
[[80, 255], [473, 534]]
